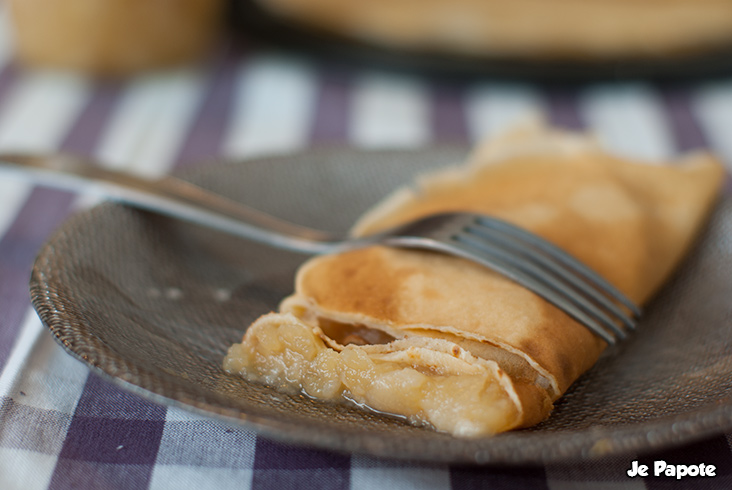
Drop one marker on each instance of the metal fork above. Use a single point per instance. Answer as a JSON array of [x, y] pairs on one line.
[[516, 253]]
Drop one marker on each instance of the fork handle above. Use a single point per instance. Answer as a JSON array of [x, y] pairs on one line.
[[168, 196]]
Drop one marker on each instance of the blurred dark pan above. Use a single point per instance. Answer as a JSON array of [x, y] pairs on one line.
[[258, 26]]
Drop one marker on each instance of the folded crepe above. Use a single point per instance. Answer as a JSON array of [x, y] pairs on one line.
[[447, 343]]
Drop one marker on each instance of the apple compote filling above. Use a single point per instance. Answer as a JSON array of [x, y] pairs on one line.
[[346, 334], [427, 381]]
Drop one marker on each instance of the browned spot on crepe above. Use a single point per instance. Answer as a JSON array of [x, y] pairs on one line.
[[364, 284]]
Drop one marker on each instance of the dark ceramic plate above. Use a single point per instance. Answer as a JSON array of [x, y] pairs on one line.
[[257, 25], [153, 304]]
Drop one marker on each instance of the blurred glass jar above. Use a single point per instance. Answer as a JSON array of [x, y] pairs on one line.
[[113, 37]]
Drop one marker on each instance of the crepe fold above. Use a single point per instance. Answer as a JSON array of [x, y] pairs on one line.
[[444, 342]]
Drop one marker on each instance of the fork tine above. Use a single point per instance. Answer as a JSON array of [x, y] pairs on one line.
[[560, 256], [466, 251], [511, 243], [529, 275], [539, 266]]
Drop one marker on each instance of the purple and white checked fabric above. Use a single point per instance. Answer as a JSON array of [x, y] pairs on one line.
[[62, 428]]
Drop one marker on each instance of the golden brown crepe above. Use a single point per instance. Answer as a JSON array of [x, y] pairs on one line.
[[531, 29], [451, 344]]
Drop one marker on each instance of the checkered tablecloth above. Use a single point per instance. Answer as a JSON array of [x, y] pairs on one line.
[[61, 427]]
